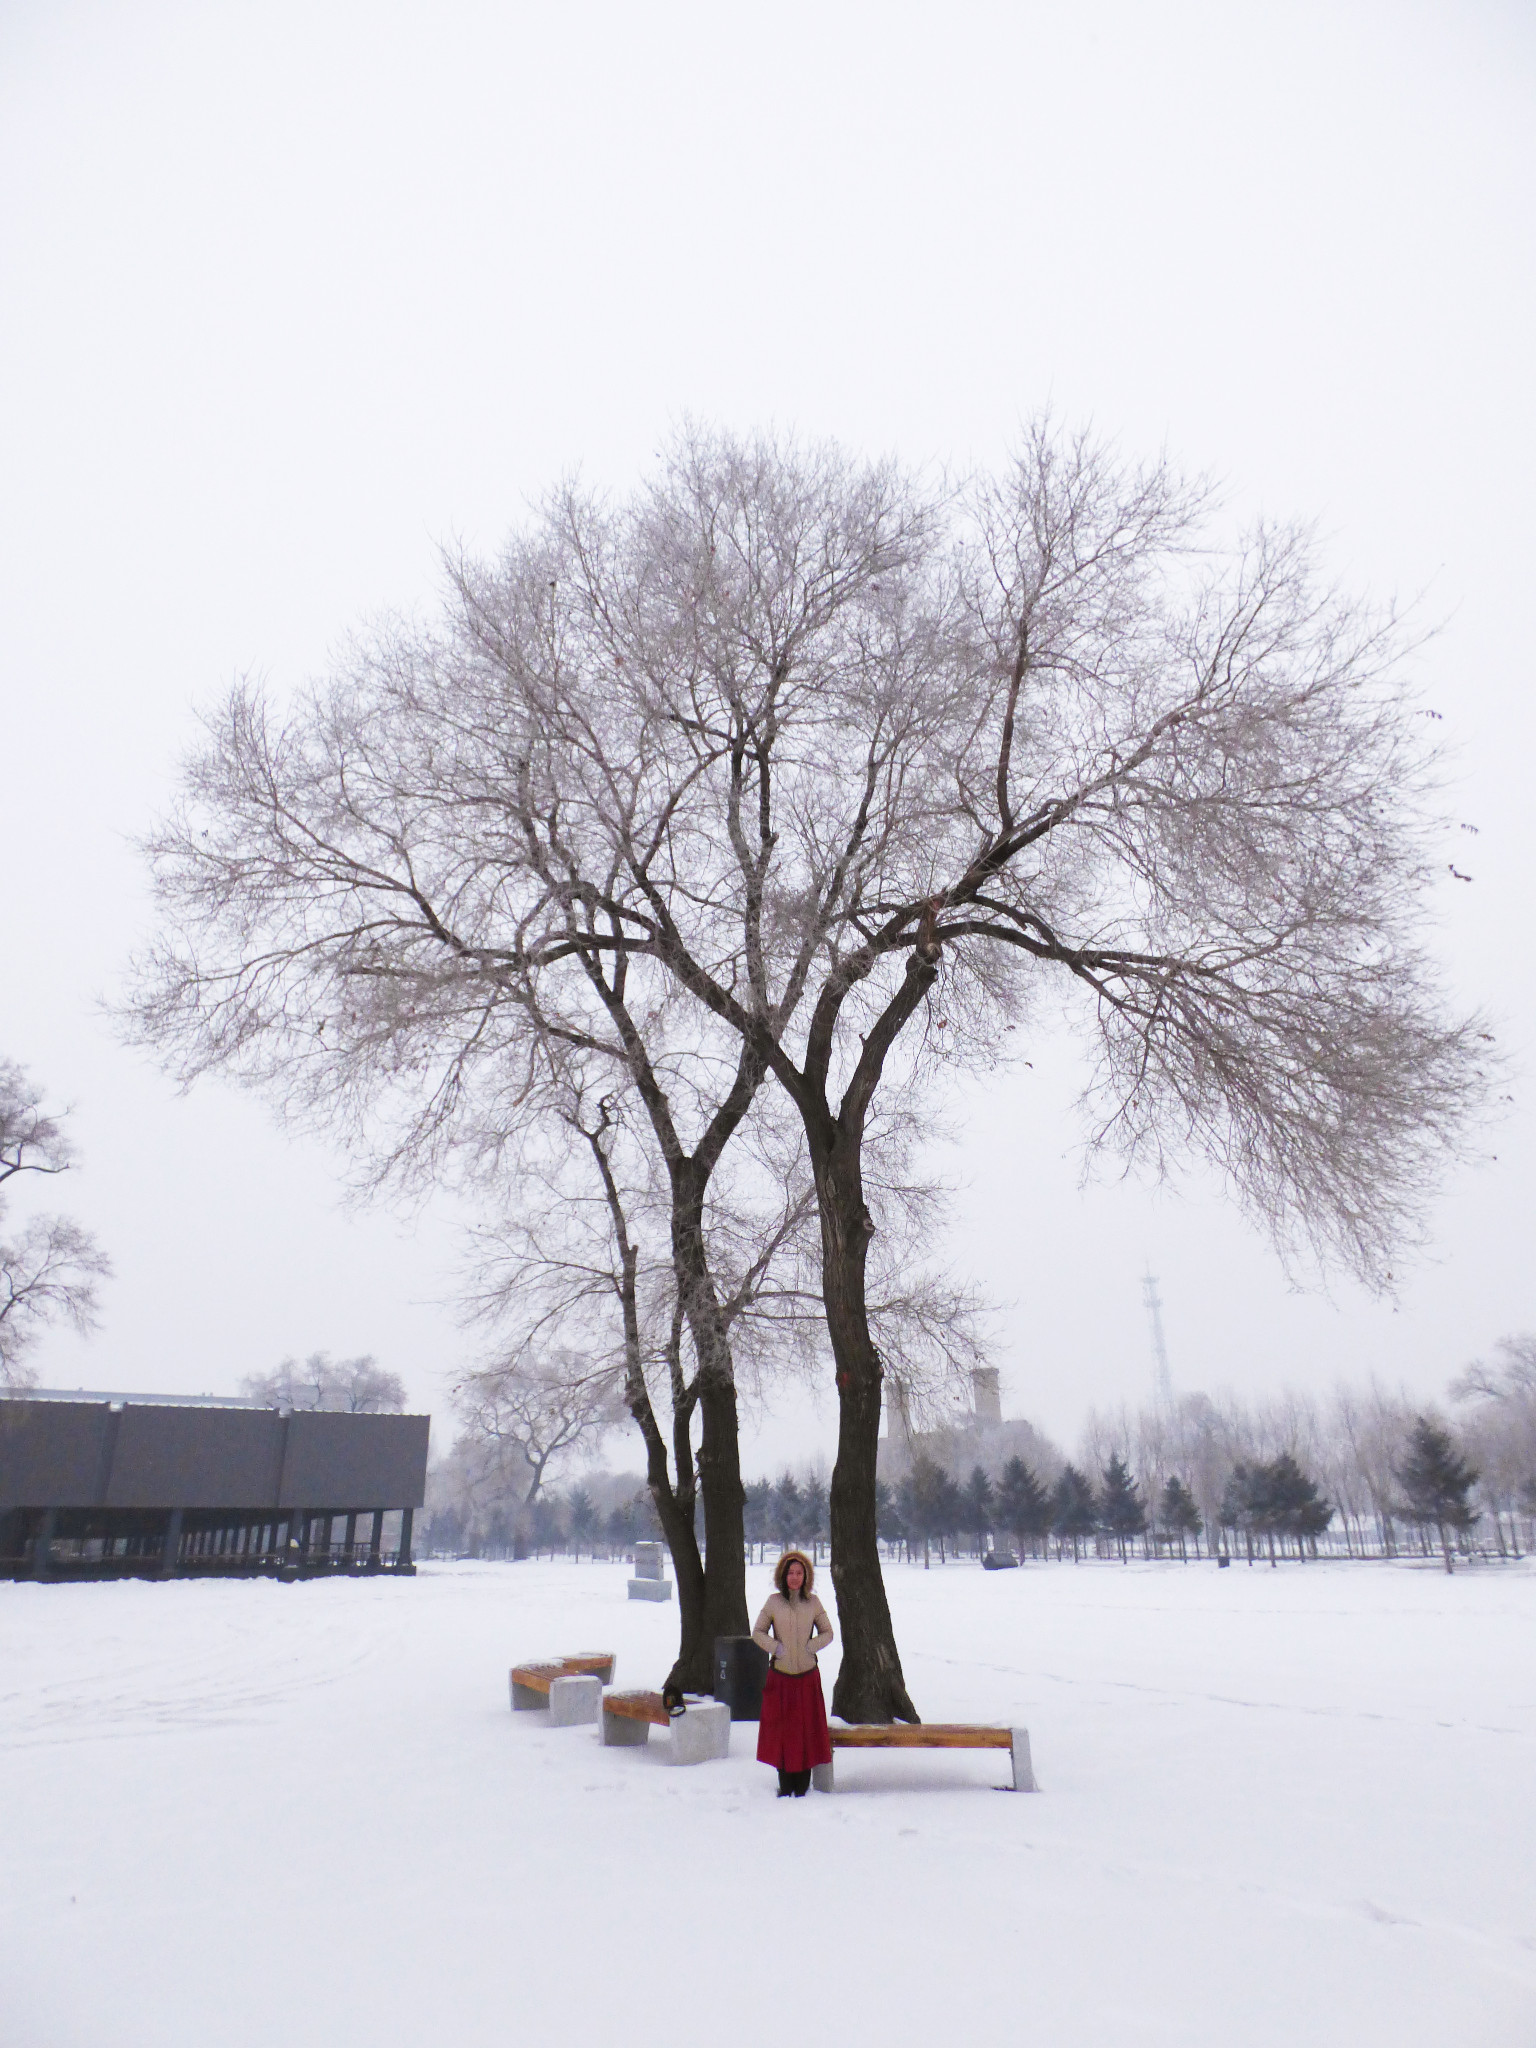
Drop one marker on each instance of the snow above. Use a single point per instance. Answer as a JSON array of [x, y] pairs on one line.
[[1277, 1805]]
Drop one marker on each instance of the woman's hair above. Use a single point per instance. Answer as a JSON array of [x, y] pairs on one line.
[[781, 1572]]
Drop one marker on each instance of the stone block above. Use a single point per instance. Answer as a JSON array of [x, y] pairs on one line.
[[619, 1732], [525, 1698], [650, 1589], [1023, 1768], [575, 1702], [823, 1778], [701, 1734], [650, 1560]]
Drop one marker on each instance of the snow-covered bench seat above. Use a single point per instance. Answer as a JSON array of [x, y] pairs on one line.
[[930, 1735], [571, 1687], [701, 1733]]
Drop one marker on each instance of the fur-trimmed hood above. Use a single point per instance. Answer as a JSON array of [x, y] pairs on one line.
[[783, 1566]]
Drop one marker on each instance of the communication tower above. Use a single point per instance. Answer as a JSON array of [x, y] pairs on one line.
[[1163, 1379]]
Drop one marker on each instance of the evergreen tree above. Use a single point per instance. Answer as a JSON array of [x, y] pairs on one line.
[[546, 1524], [623, 1525], [951, 1513], [1437, 1481], [921, 1501], [1074, 1511], [1178, 1514], [1238, 1501], [814, 1500], [979, 1507], [1122, 1513], [581, 1519], [757, 1513], [1294, 1504], [889, 1526], [1275, 1499], [1023, 1505], [788, 1511]]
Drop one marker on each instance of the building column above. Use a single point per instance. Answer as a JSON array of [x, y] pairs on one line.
[[375, 1538], [404, 1554], [42, 1550], [171, 1547]]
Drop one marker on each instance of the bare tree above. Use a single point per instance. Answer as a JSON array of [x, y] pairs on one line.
[[582, 1251], [838, 779], [49, 1271], [346, 1386], [537, 1412], [1499, 1398]]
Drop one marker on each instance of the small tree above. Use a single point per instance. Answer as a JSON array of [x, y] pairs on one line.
[[48, 1273], [1122, 1513], [1074, 1511], [1023, 1505], [1178, 1515], [1437, 1480], [980, 1507]]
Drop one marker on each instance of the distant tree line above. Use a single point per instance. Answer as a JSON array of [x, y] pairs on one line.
[[1356, 1474]]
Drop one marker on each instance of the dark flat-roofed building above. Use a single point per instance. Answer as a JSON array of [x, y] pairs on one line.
[[98, 1485]]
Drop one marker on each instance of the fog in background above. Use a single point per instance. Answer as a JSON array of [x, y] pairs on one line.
[[289, 296]]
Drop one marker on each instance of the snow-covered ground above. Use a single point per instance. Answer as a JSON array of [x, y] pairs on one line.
[[1278, 1806]]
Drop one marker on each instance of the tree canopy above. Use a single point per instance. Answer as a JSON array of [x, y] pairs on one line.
[[822, 774]]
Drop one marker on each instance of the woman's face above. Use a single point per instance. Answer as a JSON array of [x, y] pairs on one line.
[[794, 1577]]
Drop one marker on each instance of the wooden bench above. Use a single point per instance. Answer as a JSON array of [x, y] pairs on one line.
[[701, 1732], [529, 1684], [931, 1735]]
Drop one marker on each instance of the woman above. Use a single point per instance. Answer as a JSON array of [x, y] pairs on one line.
[[792, 1733]]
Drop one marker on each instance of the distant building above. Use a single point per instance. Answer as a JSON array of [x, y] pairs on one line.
[[987, 1396], [981, 1437], [98, 1485]]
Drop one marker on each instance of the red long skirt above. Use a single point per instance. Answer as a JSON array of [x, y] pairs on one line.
[[792, 1733]]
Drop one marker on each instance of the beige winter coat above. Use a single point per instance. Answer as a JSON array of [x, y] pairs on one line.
[[792, 1631]]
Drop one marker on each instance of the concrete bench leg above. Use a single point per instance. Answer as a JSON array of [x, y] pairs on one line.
[[621, 1733], [822, 1777], [575, 1702], [702, 1733], [526, 1697], [1023, 1769]]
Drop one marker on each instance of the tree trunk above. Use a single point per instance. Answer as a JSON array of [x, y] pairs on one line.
[[724, 1496], [870, 1686], [725, 1557]]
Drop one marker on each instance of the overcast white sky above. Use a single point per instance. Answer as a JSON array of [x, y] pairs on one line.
[[290, 294]]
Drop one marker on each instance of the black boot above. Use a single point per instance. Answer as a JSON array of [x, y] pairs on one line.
[[799, 1783], [785, 1784]]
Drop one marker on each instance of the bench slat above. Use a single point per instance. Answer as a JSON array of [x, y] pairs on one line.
[[637, 1706], [537, 1676], [924, 1735]]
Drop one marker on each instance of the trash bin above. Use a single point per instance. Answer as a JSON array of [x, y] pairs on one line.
[[740, 1668]]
